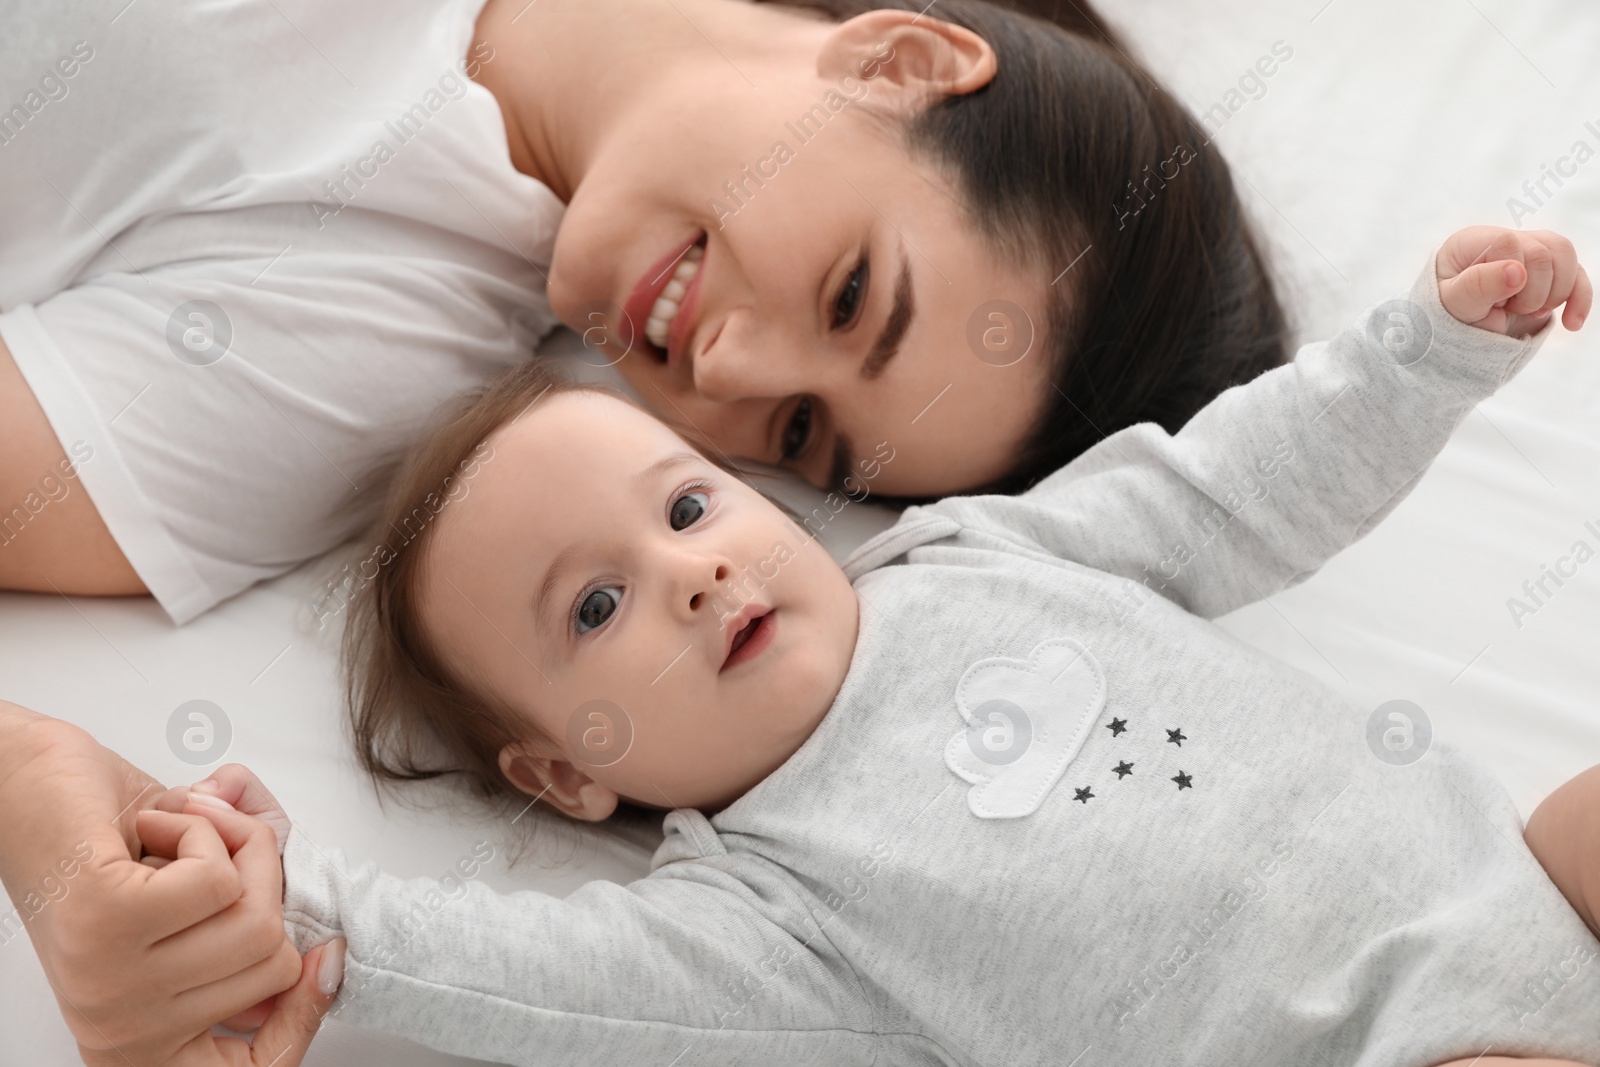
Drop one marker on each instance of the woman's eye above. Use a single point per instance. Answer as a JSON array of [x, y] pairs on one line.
[[597, 607], [687, 509], [848, 302], [798, 430]]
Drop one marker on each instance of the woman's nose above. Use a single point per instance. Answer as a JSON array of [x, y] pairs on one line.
[[751, 365]]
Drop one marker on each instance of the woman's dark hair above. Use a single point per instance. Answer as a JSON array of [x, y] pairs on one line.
[[1074, 150]]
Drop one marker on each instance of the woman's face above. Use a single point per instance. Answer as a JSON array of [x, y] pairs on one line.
[[841, 300]]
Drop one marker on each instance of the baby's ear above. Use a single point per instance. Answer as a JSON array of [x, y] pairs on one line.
[[557, 782]]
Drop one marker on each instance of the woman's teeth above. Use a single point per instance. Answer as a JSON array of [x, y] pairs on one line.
[[666, 306]]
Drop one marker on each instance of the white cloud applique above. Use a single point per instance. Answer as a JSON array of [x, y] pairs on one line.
[[1025, 721]]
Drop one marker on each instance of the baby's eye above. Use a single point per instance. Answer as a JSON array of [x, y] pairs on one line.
[[597, 607], [687, 509]]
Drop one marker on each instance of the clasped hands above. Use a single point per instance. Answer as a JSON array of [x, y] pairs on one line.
[[172, 917]]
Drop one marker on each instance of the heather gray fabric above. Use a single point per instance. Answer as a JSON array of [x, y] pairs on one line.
[[1054, 817]]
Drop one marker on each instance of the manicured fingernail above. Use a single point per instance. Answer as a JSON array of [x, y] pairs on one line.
[[210, 801], [330, 972], [210, 785]]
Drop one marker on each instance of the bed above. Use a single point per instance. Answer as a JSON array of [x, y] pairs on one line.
[[1381, 128]]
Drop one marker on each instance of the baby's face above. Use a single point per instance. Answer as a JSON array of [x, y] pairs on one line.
[[604, 579]]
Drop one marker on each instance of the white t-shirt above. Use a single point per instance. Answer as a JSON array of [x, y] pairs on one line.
[[246, 250]]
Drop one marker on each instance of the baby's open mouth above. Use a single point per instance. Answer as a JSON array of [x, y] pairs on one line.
[[750, 639], [744, 635]]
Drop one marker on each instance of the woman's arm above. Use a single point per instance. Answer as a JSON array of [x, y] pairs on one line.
[[1274, 477], [52, 538]]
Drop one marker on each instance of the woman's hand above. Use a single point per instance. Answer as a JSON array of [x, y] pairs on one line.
[[283, 1038], [203, 939], [1509, 281], [237, 788], [60, 788], [286, 1023]]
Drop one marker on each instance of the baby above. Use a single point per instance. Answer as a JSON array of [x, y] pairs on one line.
[[995, 792]]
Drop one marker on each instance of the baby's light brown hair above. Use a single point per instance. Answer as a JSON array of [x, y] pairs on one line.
[[412, 716]]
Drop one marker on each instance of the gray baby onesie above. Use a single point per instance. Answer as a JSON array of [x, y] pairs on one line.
[[1054, 815]]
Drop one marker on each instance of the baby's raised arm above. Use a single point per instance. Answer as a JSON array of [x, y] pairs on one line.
[[1272, 478]]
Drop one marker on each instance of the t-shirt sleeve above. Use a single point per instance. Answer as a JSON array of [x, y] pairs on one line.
[[1272, 478], [242, 414], [687, 965]]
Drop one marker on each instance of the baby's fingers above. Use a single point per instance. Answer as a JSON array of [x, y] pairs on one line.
[[238, 786], [172, 800], [1539, 255], [1471, 295], [1579, 303], [1563, 268]]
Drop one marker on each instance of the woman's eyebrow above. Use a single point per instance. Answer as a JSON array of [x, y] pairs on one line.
[[887, 346]]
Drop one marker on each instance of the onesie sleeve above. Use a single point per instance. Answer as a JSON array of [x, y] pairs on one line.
[[1272, 478], [688, 965]]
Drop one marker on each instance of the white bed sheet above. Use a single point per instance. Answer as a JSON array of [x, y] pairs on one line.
[[1393, 124]]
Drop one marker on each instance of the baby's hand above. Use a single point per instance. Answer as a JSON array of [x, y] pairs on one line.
[[1509, 281], [238, 788]]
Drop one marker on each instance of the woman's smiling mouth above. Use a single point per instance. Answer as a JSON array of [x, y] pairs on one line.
[[666, 307], [662, 304]]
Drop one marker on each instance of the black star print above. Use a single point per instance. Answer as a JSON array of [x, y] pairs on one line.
[[1183, 781], [1123, 769], [1176, 736], [1083, 794], [1116, 726]]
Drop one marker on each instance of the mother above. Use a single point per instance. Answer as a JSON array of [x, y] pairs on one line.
[[249, 247]]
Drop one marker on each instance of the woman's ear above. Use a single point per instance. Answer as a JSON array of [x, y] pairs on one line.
[[557, 782], [912, 52]]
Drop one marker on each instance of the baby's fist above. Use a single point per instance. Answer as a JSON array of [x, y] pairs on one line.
[[1509, 281], [239, 790]]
